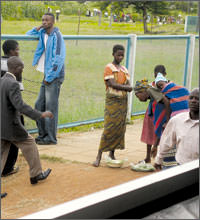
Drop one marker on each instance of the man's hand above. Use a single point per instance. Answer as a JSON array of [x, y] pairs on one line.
[[154, 151], [46, 83], [39, 27], [157, 166], [47, 114]]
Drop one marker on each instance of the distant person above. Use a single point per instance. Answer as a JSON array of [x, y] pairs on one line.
[[3, 195], [12, 130], [117, 83], [49, 58], [57, 15], [182, 130], [10, 48]]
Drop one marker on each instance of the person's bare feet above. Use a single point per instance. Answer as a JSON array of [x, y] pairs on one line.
[[96, 163], [98, 159], [111, 155], [146, 160]]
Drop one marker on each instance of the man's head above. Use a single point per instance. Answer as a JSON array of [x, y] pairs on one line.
[[140, 90], [118, 53], [15, 66], [10, 48], [159, 69], [48, 21], [194, 101]]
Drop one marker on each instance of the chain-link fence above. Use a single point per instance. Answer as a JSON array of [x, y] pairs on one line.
[[82, 94]]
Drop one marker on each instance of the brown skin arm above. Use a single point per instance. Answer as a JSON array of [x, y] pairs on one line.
[[112, 83], [154, 148], [167, 107]]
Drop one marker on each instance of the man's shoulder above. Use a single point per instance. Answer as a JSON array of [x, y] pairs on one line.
[[56, 31], [8, 78], [180, 116]]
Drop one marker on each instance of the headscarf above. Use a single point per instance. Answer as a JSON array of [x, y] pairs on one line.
[[160, 77], [141, 86]]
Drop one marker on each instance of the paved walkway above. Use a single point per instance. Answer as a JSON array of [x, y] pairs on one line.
[[83, 146]]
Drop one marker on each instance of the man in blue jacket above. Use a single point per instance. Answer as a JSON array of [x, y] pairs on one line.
[[49, 58]]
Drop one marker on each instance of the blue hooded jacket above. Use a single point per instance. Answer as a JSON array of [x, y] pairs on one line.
[[54, 54]]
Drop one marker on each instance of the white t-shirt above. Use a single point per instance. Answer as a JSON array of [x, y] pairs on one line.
[[40, 66], [4, 66]]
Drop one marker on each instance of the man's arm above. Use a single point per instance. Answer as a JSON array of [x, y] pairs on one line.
[[16, 100], [34, 31], [167, 141]]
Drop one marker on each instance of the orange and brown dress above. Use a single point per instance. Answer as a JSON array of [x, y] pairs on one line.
[[115, 110]]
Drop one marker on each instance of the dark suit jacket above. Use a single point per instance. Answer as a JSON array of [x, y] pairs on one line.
[[11, 106]]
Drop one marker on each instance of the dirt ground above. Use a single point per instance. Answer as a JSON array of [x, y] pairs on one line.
[[72, 177]]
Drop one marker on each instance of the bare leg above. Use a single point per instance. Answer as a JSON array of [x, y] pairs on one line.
[[98, 159], [148, 155], [112, 154]]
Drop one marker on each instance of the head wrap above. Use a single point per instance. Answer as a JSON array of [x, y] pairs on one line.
[[141, 86], [160, 77]]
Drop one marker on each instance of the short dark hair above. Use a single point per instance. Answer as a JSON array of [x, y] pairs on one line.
[[160, 69], [13, 62], [118, 47], [9, 45], [50, 14]]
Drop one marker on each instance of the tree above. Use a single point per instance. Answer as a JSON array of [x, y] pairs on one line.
[[154, 7], [142, 7]]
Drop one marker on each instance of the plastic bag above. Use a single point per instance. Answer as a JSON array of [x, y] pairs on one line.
[[142, 167], [115, 163]]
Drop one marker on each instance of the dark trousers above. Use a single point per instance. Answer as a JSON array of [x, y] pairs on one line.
[[12, 156]]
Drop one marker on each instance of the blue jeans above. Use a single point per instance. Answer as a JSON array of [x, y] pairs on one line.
[[48, 101]]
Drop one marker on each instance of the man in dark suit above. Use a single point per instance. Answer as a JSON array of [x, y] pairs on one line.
[[10, 48], [12, 130]]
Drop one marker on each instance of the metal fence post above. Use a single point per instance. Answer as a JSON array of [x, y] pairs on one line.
[[131, 69], [186, 61], [190, 62]]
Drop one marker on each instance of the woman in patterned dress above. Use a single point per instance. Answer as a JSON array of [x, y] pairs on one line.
[[117, 83]]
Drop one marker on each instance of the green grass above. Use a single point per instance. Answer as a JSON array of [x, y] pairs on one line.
[[82, 94], [68, 25]]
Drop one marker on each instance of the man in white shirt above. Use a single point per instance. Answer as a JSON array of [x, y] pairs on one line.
[[183, 131]]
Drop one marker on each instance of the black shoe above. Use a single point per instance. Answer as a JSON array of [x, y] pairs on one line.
[[41, 176], [45, 142], [14, 170], [3, 195]]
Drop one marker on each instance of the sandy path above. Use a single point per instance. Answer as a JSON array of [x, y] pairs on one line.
[[72, 178]]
